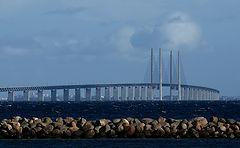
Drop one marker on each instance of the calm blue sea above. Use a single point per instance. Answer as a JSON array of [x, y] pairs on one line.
[[111, 110]]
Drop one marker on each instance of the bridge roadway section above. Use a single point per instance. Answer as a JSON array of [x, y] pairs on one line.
[[129, 91]]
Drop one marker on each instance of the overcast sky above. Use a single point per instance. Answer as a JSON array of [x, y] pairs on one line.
[[48, 42]]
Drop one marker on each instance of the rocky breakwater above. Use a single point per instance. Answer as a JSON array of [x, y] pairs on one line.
[[200, 127]]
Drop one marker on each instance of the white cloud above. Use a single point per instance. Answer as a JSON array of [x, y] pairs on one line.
[[180, 31], [14, 51]]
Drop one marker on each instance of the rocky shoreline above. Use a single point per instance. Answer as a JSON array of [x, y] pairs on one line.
[[199, 127]]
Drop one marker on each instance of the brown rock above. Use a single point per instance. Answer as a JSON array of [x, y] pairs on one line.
[[231, 121], [222, 128], [37, 129], [147, 120], [111, 133], [88, 126], [56, 132], [97, 128], [198, 127], [214, 119], [130, 120], [201, 120], [89, 134], [148, 127], [115, 121], [47, 120], [140, 127], [161, 119], [68, 120], [101, 122], [48, 129], [137, 121], [130, 130], [73, 129], [67, 133], [222, 120], [183, 126], [78, 133], [156, 127], [120, 128], [154, 122], [235, 127]]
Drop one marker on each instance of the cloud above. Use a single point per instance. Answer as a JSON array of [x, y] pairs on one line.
[[66, 11], [177, 31], [14, 51]]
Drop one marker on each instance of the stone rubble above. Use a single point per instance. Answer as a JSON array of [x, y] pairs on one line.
[[199, 127]]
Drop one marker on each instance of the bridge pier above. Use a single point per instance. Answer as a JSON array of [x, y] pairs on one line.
[[143, 93], [182, 93], [54, 95], [98, 93], [40, 95], [88, 93], [26, 95], [137, 93], [192, 94], [130, 93], [77, 94], [66, 95], [107, 93], [150, 93], [115, 93], [11, 96], [123, 93]]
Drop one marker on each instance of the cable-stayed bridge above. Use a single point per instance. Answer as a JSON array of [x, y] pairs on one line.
[[127, 91]]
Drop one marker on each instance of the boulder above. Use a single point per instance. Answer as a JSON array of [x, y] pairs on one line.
[[200, 120], [214, 119], [89, 134], [183, 126], [222, 128], [148, 127], [147, 120], [81, 122], [130, 130], [97, 129], [120, 128], [115, 121], [161, 119], [56, 132], [222, 120], [88, 126], [231, 121], [47, 120], [68, 120], [140, 127], [101, 122]]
